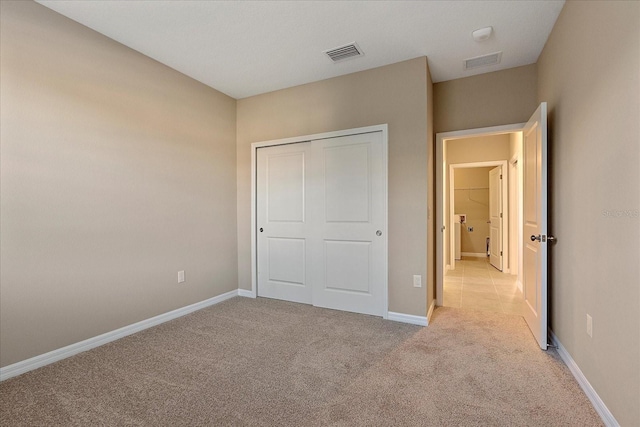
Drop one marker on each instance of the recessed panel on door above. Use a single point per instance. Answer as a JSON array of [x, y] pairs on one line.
[[530, 278], [287, 261], [285, 187], [531, 168], [347, 266], [347, 183], [494, 241]]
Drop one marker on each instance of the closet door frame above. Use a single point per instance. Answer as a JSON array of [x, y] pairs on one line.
[[383, 128]]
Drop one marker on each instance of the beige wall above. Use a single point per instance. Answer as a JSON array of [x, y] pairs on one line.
[[116, 172], [591, 80], [472, 178], [471, 192], [478, 149], [471, 150], [397, 95], [492, 99]]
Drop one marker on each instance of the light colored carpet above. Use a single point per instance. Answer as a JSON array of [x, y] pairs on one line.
[[265, 362]]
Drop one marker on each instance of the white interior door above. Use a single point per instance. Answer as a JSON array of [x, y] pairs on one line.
[[534, 286], [495, 217], [283, 222], [321, 223], [349, 258]]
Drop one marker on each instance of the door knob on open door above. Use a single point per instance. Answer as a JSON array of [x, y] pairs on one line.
[[378, 233], [543, 238]]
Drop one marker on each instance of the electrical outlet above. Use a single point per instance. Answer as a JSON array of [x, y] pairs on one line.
[[181, 276], [589, 326], [417, 281]]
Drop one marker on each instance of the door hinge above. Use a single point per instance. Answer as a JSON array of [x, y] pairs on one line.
[[500, 214], [500, 176], [500, 253]]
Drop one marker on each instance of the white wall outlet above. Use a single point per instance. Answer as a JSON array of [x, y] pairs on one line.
[[589, 326], [181, 276], [417, 281]]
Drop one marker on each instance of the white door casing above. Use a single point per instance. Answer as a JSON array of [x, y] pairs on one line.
[[320, 205], [534, 265], [495, 217]]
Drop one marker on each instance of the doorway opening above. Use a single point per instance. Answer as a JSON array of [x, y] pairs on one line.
[[479, 202], [478, 213]]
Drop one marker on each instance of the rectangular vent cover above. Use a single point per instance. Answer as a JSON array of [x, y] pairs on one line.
[[347, 51], [482, 61]]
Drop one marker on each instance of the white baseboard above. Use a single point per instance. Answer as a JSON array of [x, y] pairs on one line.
[[70, 350], [407, 318], [598, 404], [474, 254], [430, 312], [245, 293]]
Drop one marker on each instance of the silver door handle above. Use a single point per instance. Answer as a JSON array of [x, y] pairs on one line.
[[542, 238], [379, 233]]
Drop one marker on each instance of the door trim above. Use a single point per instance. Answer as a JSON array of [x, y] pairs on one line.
[[515, 215], [440, 180], [384, 128]]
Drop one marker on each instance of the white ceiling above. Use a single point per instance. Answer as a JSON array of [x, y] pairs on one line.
[[245, 48]]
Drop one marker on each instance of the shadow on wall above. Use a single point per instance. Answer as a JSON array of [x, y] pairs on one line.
[[550, 215]]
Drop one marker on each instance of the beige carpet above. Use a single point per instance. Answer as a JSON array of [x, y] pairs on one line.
[[266, 362]]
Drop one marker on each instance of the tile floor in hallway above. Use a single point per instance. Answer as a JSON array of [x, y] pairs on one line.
[[477, 285]]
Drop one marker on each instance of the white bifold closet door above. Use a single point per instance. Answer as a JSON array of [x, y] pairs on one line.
[[321, 219]]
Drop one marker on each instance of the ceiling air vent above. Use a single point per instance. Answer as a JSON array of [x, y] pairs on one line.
[[482, 61], [347, 51]]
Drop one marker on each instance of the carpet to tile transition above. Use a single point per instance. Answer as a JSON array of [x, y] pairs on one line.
[[266, 362]]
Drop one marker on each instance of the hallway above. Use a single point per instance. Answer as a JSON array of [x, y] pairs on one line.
[[475, 284]]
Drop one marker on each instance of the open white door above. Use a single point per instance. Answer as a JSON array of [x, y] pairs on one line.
[[495, 217], [534, 265]]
